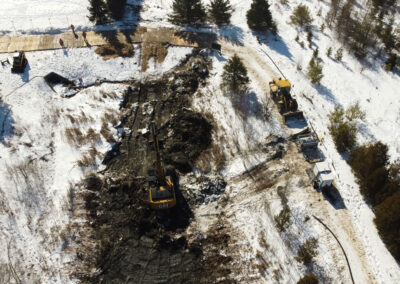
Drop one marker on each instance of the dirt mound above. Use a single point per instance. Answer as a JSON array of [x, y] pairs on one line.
[[191, 134], [156, 50], [113, 50]]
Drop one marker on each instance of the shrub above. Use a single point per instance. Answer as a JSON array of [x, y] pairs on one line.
[[307, 251], [308, 279], [343, 132], [259, 17], [220, 12], [187, 12], [234, 77], [301, 17], [282, 220], [339, 54], [391, 62], [329, 52], [355, 112], [314, 72]]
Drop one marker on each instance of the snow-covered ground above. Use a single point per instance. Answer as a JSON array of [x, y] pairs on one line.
[[45, 138], [37, 148]]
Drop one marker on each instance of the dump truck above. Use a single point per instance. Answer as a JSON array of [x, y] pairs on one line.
[[19, 62], [287, 105], [321, 176], [308, 145], [161, 183]]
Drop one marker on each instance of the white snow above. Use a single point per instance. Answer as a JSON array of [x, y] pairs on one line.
[[28, 219], [38, 162]]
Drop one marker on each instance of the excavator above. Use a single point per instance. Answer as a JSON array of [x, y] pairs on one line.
[[280, 91], [161, 186]]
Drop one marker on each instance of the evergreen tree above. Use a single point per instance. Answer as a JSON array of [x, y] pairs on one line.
[[329, 52], [98, 12], [301, 17], [234, 77], [387, 220], [116, 8], [308, 279], [387, 36], [187, 12], [259, 17], [314, 72], [339, 54], [220, 12]]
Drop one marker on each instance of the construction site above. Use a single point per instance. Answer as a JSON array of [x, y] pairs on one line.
[[125, 161]]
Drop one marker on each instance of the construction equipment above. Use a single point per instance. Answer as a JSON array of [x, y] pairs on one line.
[[308, 145], [161, 186], [321, 176], [19, 62], [280, 91]]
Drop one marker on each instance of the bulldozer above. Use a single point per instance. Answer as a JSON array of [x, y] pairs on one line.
[[19, 62], [280, 91], [161, 183]]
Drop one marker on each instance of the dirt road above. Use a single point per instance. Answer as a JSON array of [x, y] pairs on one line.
[[95, 38]]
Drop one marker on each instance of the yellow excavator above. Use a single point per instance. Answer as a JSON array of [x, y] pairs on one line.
[[161, 186], [280, 91]]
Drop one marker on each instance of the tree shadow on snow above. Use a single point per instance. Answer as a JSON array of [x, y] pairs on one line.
[[6, 121], [232, 34], [247, 105], [275, 43], [326, 92]]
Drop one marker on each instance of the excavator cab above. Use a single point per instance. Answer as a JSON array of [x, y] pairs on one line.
[[161, 186], [19, 62]]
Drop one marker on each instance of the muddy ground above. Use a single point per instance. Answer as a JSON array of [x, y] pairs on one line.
[[126, 242]]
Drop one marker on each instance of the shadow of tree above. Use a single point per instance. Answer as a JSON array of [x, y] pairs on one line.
[[326, 92], [275, 43], [6, 121]]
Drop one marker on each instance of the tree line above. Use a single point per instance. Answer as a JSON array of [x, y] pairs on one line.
[[379, 180]]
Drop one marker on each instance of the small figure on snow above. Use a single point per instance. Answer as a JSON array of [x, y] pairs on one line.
[[61, 42]]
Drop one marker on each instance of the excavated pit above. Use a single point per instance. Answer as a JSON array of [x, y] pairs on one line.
[[135, 244]]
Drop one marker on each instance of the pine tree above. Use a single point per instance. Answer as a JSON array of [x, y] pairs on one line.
[[234, 77], [339, 54], [329, 52], [259, 17], [301, 17], [116, 8], [220, 12], [387, 36], [314, 72], [98, 12], [187, 12]]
